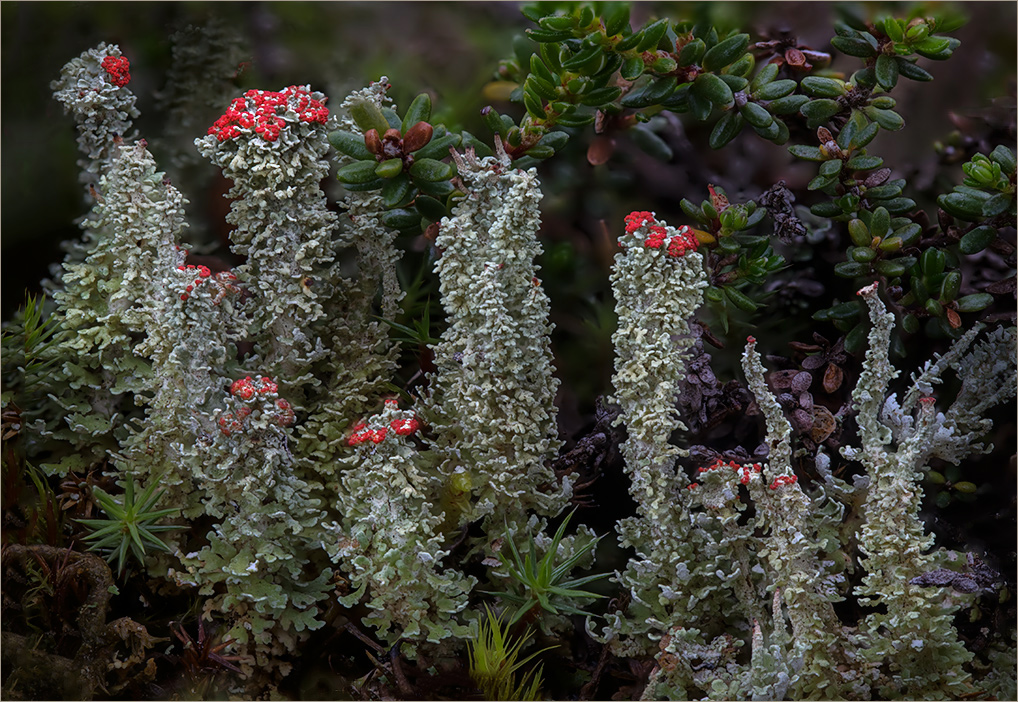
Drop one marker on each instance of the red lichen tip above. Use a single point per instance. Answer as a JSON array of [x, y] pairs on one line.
[[746, 472], [118, 69], [656, 238], [229, 423], [260, 112], [405, 427], [266, 386], [682, 242], [634, 220], [375, 436], [718, 463], [784, 480], [285, 417], [246, 388]]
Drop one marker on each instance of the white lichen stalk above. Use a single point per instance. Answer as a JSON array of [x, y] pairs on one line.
[[272, 145], [259, 569], [391, 546], [657, 292], [144, 213], [111, 300], [193, 355], [102, 106], [93, 89], [492, 400], [915, 634], [790, 550], [658, 281], [362, 358]]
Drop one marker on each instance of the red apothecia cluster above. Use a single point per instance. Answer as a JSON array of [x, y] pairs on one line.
[[119, 70], [677, 245], [784, 480], [231, 422], [260, 109], [403, 427], [744, 471], [246, 389], [203, 273], [222, 281], [747, 470], [284, 413]]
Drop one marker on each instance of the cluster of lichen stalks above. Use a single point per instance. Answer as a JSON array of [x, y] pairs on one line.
[[286, 453]]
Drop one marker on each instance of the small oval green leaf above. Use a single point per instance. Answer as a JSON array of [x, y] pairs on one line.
[[756, 115], [725, 52], [350, 144], [788, 104], [977, 240], [818, 112], [739, 299], [389, 168], [975, 302], [887, 71], [774, 90], [819, 86], [727, 128], [710, 87], [419, 111], [430, 170], [357, 173], [851, 269], [401, 219]]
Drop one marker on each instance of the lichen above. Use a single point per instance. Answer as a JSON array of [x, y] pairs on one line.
[[491, 403]]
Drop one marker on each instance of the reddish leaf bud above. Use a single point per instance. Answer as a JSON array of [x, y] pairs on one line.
[[372, 142], [417, 137]]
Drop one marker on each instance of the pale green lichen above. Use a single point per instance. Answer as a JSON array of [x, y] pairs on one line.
[[103, 111], [283, 227], [362, 357], [114, 298], [791, 547], [912, 638], [656, 294], [267, 527], [390, 544], [699, 576], [491, 403]]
